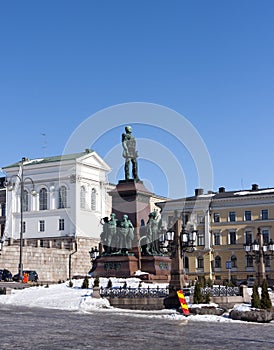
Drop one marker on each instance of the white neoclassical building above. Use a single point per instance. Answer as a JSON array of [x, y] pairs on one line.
[[71, 196]]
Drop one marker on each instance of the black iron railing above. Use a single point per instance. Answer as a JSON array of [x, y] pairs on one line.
[[129, 292], [149, 292], [221, 291]]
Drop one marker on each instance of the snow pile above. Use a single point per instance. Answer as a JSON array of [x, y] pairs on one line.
[[58, 296]]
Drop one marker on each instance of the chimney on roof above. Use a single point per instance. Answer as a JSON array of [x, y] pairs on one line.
[[198, 191], [221, 189], [255, 187]]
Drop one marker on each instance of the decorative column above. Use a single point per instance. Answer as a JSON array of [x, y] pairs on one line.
[[177, 280], [261, 264]]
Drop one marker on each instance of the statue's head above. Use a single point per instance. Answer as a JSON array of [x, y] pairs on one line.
[[128, 129], [125, 217], [112, 215]]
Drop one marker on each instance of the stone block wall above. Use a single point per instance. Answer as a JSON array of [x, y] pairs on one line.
[[50, 262]]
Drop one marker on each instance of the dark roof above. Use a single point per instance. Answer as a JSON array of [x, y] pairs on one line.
[[51, 159], [223, 195]]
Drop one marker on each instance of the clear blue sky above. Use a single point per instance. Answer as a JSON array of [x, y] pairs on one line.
[[209, 60]]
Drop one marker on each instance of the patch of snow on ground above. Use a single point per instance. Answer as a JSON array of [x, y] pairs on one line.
[[61, 296]]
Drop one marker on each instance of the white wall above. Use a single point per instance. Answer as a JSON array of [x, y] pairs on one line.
[[89, 170]]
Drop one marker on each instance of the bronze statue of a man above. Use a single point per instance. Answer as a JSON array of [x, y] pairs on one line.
[[129, 153]]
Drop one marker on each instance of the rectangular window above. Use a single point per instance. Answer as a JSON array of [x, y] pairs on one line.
[[232, 237], [232, 216], [216, 217], [200, 262], [248, 215], [264, 214], [217, 238], [248, 237], [41, 225], [200, 238], [61, 224], [266, 237]]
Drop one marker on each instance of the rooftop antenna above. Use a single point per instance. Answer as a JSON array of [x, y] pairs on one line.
[[44, 146]]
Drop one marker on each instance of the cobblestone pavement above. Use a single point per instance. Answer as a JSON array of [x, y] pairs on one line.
[[35, 328]]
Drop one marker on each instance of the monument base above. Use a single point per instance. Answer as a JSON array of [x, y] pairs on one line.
[[158, 267], [116, 266]]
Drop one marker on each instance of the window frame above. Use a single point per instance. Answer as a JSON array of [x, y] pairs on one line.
[[200, 262], [61, 224], [249, 261], [83, 194], [62, 197], [25, 201], [248, 217], [42, 226], [231, 216], [216, 217], [200, 238], [43, 199], [230, 241], [218, 259], [264, 214], [246, 234], [234, 261], [93, 199], [219, 241]]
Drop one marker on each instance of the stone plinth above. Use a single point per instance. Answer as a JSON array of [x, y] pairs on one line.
[[116, 266], [131, 198], [159, 266]]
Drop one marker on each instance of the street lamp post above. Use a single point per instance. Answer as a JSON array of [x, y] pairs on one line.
[[10, 187], [259, 250], [180, 240], [93, 253]]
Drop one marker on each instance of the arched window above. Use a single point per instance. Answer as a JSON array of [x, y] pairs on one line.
[[43, 199], [249, 261], [93, 199], [25, 201], [233, 261], [83, 197], [200, 262], [218, 262], [62, 198]]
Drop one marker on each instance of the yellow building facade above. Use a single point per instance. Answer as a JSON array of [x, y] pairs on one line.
[[225, 221]]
